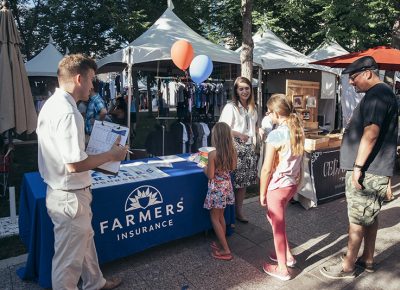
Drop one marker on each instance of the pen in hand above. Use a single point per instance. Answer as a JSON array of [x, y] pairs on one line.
[[127, 149]]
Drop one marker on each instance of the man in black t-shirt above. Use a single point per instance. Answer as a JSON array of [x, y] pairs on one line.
[[368, 154]]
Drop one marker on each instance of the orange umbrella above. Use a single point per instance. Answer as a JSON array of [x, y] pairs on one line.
[[387, 58], [16, 102]]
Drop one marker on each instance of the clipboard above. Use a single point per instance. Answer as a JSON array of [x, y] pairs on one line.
[[101, 140]]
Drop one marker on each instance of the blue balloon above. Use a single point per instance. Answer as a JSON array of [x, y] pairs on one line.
[[200, 68]]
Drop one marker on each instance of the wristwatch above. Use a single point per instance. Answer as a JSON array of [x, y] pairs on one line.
[[357, 166]]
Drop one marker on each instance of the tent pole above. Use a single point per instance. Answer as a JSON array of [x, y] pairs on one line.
[[129, 100]]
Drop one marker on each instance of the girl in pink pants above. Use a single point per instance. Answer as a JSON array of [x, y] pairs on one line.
[[280, 175]]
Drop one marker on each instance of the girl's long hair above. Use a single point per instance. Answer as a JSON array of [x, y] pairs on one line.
[[222, 140], [280, 104], [236, 97]]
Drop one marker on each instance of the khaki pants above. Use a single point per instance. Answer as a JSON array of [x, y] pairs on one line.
[[74, 250]]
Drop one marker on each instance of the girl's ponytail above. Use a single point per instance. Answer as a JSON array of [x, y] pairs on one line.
[[283, 106], [296, 134]]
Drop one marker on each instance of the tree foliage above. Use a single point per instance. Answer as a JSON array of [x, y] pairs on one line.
[[99, 27]]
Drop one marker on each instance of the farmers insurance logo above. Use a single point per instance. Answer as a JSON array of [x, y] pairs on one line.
[[145, 212], [143, 197]]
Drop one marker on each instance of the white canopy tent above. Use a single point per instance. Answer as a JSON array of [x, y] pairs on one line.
[[274, 54], [155, 45], [327, 49], [45, 64], [170, 28], [129, 55]]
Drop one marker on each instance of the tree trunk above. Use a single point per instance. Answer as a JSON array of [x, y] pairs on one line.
[[389, 75], [246, 55]]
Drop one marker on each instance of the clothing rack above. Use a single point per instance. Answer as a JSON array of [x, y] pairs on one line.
[[173, 78], [217, 80], [166, 118], [188, 78]]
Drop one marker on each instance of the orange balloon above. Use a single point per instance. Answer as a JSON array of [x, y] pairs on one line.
[[182, 54]]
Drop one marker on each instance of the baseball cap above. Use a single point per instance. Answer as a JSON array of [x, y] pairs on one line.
[[361, 64]]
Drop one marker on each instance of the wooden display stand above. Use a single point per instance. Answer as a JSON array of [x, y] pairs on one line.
[[304, 96]]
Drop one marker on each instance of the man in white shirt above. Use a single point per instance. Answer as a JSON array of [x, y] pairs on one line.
[[64, 165]]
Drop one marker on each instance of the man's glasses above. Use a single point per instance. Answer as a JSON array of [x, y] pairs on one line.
[[243, 89], [354, 76]]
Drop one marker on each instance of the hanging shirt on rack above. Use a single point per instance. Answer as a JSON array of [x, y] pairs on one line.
[[190, 141], [173, 93], [113, 92], [198, 93], [191, 90], [206, 131], [185, 138], [219, 97], [165, 92], [198, 133], [204, 95]]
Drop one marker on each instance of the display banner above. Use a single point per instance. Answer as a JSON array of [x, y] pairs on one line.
[[328, 178]]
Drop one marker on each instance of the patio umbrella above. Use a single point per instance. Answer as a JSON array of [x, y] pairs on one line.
[[16, 102], [387, 58]]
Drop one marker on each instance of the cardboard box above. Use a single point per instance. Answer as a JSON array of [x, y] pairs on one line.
[[315, 142], [335, 140], [310, 125]]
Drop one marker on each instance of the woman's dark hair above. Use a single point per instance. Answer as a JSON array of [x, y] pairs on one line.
[[236, 97]]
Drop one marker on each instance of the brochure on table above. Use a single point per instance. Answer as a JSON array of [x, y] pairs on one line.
[[127, 174]]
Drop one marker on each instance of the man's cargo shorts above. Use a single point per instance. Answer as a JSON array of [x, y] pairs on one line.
[[364, 205]]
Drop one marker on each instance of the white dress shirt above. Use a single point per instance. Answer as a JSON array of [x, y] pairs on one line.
[[61, 140], [240, 119]]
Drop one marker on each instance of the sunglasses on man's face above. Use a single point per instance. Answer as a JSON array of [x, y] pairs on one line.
[[354, 76]]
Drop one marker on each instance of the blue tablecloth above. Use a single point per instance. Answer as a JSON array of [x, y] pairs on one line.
[[127, 218]]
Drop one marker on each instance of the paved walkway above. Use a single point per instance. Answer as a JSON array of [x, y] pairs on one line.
[[318, 237]]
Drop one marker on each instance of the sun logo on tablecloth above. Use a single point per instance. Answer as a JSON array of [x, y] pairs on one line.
[[143, 197]]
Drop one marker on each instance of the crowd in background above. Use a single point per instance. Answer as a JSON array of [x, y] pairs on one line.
[[101, 109]]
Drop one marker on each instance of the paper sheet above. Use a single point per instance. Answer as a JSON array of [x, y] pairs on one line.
[[160, 163], [101, 140], [127, 174], [172, 158]]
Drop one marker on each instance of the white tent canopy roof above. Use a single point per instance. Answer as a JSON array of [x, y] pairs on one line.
[[273, 53], [117, 61], [327, 49], [155, 44], [45, 63], [170, 28]]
